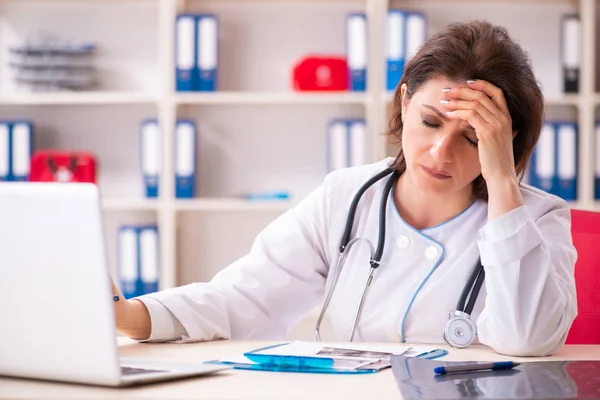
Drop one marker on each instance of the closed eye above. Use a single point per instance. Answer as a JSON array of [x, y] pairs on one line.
[[430, 124], [471, 141]]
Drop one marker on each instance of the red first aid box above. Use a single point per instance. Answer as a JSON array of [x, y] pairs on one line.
[[63, 166], [321, 73]]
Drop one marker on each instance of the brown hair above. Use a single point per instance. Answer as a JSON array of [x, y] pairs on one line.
[[477, 50]]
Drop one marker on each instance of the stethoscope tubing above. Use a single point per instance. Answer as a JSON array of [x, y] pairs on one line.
[[470, 291]]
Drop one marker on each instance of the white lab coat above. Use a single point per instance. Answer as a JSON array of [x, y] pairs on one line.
[[526, 305]]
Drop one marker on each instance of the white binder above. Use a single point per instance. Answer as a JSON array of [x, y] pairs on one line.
[[571, 52], [567, 160], [149, 259], [128, 261], [4, 151], [545, 171], [337, 145], [416, 33], [359, 143], [151, 156], [21, 138]]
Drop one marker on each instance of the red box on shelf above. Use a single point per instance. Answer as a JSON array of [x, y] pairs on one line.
[[63, 166], [321, 73]]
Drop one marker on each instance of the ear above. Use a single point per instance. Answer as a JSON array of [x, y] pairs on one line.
[[403, 90], [514, 134]]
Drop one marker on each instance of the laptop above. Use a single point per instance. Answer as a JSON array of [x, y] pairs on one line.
[[56, 313]]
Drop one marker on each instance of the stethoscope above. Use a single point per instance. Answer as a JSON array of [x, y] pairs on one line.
[[460, 331]]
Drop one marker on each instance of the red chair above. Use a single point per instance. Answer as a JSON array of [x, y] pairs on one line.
[[585, 229]]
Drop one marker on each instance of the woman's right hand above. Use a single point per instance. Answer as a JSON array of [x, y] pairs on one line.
[[132, 316]]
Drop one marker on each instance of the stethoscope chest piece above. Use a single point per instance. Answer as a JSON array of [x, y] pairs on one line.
[[460, 331]]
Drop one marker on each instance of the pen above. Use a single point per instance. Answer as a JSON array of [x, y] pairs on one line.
[[494, 366]]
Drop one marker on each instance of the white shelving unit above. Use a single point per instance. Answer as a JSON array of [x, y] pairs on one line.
[[255, 133]]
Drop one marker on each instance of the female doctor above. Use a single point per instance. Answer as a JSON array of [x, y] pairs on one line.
[[443, 244]]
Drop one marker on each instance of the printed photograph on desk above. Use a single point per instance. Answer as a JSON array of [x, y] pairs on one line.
[[316, 357], [352, 353]]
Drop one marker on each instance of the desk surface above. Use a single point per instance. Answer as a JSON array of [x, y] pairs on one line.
[[237, 384]]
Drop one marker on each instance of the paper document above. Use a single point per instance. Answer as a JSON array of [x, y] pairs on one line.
[[323, 357]]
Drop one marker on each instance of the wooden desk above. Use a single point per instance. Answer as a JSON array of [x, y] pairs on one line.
[[237, 384]]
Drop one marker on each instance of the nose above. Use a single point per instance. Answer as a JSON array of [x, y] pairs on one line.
[[441, 149]]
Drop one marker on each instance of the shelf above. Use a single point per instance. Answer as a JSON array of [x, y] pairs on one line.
[[262, 98], [71, 3], [290, 1], [77, 98], [124, 204], [230, 204], [561, 100]]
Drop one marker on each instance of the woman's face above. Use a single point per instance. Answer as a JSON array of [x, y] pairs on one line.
[[441, 153]]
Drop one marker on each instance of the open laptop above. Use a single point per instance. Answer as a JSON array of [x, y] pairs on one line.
[[56, 311]]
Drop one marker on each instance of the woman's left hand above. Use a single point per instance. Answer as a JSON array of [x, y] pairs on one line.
[[484, 107]]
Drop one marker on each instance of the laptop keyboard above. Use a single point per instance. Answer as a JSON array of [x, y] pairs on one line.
[[133, 371]]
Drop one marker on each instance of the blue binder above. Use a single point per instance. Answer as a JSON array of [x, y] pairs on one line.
[[207, 43], [148, 259], [150, 139], [396, 47], [185, 52], [21, 143], [185, 159], [543, 160], [566, 133], [128, 260], [5, 150], [357, 52]]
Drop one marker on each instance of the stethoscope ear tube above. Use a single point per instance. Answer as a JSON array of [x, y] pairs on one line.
[[354, 206], [382, 216]]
